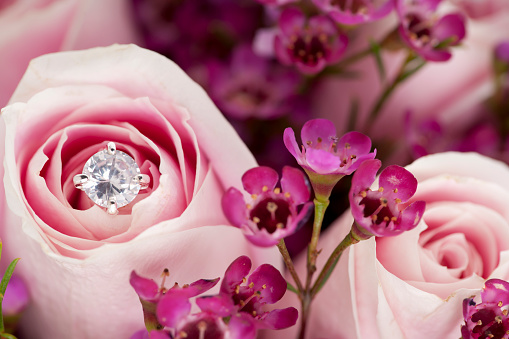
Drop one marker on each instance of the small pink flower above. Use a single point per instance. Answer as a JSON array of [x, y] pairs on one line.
[[250, 86], [382, 212], [325, 157], [426, 34], [489, 318], [309, 44], [351, 12], [243, 296], [272, 214]]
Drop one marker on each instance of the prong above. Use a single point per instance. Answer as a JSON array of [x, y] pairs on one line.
[[79, 180], [112, 206], [111, 148], [143, 180]]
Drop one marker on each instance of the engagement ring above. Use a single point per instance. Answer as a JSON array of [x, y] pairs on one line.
[[111, 179]]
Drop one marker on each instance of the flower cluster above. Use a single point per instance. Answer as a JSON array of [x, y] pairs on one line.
[[236, 312]]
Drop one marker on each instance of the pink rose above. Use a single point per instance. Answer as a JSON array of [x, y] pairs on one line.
[[76, 258], [413, 285], [35, 27]]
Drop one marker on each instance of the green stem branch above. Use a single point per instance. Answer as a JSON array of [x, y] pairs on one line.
[[349, 240], [289, 265]]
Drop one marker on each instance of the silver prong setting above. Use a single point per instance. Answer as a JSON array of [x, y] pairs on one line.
[[112, 206], [79, 180], [143, 180], [111, 148]]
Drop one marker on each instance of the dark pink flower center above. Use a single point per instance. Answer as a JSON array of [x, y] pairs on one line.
[[381, 209], [489, 324], [271, 214], [248, 96], [309, 49], [204, 328], [419, 28]]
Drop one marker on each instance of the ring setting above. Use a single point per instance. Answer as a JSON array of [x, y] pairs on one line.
[[111, 179]]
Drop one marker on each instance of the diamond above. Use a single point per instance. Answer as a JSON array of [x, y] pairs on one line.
[[113, 178]]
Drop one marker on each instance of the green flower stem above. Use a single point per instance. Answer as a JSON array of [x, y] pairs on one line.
[[349, 240], [406, 69], [289, 265], [320, 207]]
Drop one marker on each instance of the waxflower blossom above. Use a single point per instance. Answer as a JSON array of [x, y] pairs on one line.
[[428, 35], [251, 86], [309, 44], [242, 297], [352, 12], [272, 214], [383, 212], [325, 157], [150, 295], [489, 318]]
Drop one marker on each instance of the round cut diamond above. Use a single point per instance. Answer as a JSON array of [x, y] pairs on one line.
[[111, 177]]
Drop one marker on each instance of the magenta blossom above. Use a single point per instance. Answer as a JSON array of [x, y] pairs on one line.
[[252, 87], [174, 312], [242, 297], [151, 294], [351, 12], [489, 318], [325, 157], [272, 214], [309, 44], [382, 212], [426, 33]]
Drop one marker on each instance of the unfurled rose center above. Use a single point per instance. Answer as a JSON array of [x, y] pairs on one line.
[[271, 214]]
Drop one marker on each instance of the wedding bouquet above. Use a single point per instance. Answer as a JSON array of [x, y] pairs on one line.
[[254, 169]]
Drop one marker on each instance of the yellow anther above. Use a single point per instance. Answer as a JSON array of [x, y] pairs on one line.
[[380, 189], [363, 194], [237, 289], [256, 220], [244, 280], [347, 145], [319, 139], [394, 219], [254, 196], [264, 286], [386, 218], [397, 200], [395, 190], [500, 303], [251, 285], [374, 217], [277, 190], [498, 319], [280, 225], [287, 194], [383, 201], [309, 143], [182, 334], [248, 206], [265, 189]]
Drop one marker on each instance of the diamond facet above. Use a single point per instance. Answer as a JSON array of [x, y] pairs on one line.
[[112, 177]]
